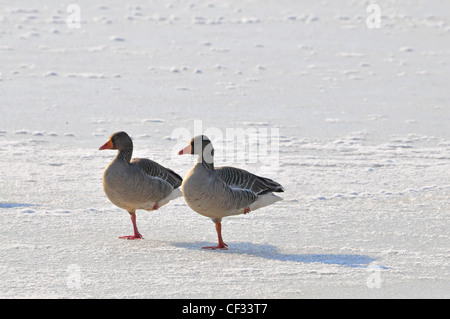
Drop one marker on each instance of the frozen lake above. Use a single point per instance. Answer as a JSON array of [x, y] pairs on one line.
[[357, 119]]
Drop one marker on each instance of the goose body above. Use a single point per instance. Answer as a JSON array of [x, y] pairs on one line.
[[130, 186], [137, 183], [224, 191], [210, 193]]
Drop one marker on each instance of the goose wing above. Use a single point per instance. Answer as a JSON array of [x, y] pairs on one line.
[[239, 178], [157, 170]]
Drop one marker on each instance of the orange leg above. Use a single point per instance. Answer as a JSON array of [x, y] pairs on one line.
[[221, 244], [136, 235]]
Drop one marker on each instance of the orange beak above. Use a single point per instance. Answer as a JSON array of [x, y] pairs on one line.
[[107, 146], [186, 150]]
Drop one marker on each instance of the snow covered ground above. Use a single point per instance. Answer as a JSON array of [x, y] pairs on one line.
[[363, 119]]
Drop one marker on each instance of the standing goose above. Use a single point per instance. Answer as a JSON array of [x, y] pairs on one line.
[[137, 183], [223, 191]]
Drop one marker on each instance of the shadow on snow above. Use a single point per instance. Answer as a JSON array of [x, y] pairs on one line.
[[271, 252], [13, 205]]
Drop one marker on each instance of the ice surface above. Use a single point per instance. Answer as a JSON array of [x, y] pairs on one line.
[[364, 148]]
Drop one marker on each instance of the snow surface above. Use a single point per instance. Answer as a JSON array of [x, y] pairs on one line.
[[364, 150]]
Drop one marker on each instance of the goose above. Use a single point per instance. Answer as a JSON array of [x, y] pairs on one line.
[[223, 191], [137, 183]]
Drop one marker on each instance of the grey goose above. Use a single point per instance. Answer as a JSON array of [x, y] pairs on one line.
[[137, 183], [218, 192]]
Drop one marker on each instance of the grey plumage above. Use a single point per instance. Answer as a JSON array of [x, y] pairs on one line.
[[239, 178], [223, 191], [137, 183], [157, 170]]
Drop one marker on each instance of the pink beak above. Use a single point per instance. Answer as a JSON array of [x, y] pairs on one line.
[[186, 150]]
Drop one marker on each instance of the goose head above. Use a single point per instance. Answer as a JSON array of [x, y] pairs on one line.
[[120, 141], [201, 146]]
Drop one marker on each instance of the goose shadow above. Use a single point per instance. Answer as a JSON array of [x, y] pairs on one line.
[[14, 205], [271, 252]]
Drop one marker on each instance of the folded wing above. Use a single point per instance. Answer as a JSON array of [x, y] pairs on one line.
[[156, 170], [239, 178]]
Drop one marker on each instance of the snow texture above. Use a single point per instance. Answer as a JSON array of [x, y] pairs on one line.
[[363, 118]]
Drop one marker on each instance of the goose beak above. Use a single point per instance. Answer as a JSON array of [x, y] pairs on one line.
[[107, 146], [186, 150]]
